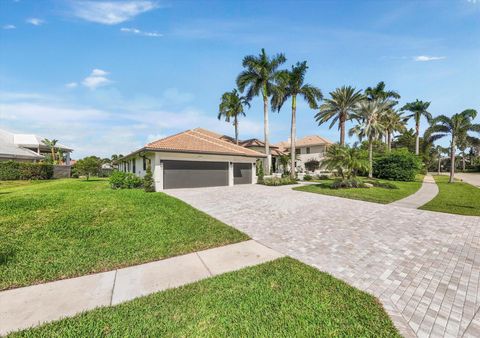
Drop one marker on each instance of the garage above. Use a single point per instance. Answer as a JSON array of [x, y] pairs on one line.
[[194, 174], [242, 173]]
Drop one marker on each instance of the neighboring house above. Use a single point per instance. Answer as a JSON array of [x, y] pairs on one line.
[[307, 148], [259, 146], [193, 158], [27, 147]]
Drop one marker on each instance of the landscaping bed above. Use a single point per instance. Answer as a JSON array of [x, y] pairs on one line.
[[283, 298], [455, 198], [65, 228]]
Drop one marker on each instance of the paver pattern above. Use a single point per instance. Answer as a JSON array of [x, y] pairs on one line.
[[423, 266]]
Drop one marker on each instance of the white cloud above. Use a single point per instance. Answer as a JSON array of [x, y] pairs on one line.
[[473, 1], [9, 27], [110, 12], [139, 32], [35, 21], [96, 79], [426, 58], [71, 85]]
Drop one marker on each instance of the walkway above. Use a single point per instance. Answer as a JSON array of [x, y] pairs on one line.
[[472, 178], [425, 194], [423, 266], [30, 306]]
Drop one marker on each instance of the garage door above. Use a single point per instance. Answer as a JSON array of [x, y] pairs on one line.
[[242, 173], [194, 174]]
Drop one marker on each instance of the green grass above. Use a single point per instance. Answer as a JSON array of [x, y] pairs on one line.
[[374, 194], [283, 298], [64, 228], [455, 198]]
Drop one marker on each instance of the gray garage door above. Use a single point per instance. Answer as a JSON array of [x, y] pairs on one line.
[[194, 174], [242, 173]]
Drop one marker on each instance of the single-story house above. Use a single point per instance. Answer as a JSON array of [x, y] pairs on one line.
[[308, 148], [27, 147], [194, 158]]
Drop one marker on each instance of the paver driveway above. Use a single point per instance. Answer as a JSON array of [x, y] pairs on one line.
[[423, 266]]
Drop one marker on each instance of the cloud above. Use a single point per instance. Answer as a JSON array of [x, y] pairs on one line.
[[473, 1], [9, 27], [426, 58], [71, 85], [110, 12], [139, 32], [35, 21], [96, 79]]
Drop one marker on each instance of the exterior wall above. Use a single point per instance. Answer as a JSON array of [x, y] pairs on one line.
[[317, 152]]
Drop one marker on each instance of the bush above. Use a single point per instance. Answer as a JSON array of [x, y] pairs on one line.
[[88, 166], [323, 177], [148, 183], [386, 185], [121, 180], [12, 170], [307, 178], [259, 169], [348, 184], [274, 181], [312, 165], [399, 165]]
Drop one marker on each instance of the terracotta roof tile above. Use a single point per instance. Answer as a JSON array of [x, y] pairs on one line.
[[305, 141]]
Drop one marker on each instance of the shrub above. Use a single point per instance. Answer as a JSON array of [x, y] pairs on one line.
[[399, 165], [274, 181], [121, 180], [88, 166], [323, 177], [259, 168], [386, 185], [307, 178], [148, 183], [12, 170], [348, 184]]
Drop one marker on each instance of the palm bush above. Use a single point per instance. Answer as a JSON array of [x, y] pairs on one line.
[[345, 160]]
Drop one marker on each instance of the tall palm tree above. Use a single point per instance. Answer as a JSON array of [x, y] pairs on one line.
[[339, 108], [438, 152], [232, 106], [291, 85], [259, 78], [379, 93], [370, 127], [393, 122], [418, 109], [51, 144], [457, 127]]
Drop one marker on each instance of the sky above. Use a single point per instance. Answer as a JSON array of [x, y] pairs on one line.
[[107, 77]]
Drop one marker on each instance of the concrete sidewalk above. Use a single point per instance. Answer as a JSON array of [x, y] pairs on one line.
[[33, 305], [425, 194]]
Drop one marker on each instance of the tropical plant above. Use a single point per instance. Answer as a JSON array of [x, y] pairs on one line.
[[284, 160], [339, 108], [148, 182], [345, 160], [393, 122], [231, 107], [418, 109], [51, 145], [369, 114], [259, 78], [290, 85], [379, 93], [457, 127], [438, 152]]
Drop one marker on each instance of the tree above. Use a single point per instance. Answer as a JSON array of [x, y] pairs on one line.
[[339, 108], [438, 152], [418, 109], [379, 93], [457, 127], [369, 114], [148, 183], [290, 85], [259, 78], [347, 161], [393, 123], [89, 166], [51, 144], [232, 106]]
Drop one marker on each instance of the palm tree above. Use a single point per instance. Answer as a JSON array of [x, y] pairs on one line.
[[347, 161], [290, 85], [379, 93], [232, 106], [51, 144], [370, 117], [418, 109], [393, 122], [439, 151], [339, 108], [259, 78], [457, 127]]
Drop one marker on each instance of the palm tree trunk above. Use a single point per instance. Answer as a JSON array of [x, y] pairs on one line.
[[293, 132], [452, 161], [417, 137], [389, 140], [463, 161], [53, 154], [439, 164], [265, 132], [370, 158], [342, 129], [235, 123]]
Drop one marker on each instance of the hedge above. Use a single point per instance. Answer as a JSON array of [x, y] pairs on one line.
[[11, 170], [398, 165]]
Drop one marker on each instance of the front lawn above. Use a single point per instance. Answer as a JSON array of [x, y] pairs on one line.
[[374, 194], [455, 198], [65, 228], [283, 298]]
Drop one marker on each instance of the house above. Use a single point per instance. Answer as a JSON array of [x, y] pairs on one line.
[[259, 146], [307, 149], [27, 148], [194, 158]]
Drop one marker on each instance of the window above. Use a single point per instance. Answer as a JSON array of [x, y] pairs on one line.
[[133, 166], [308, 150], [297, 151], [144, 164]]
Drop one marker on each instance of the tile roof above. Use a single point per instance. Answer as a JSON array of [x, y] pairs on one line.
[[201, 141], [311, 140], [255, 142]]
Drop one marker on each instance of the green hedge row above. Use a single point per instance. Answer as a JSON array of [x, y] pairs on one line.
[[11, 170], [398, 165]]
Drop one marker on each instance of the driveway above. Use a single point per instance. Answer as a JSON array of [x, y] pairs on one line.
[[423, 266], [472, 178]]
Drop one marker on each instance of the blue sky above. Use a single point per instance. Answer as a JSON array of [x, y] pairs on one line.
[[107, 77]]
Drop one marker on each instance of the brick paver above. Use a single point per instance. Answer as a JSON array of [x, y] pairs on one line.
[[423, 266]]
